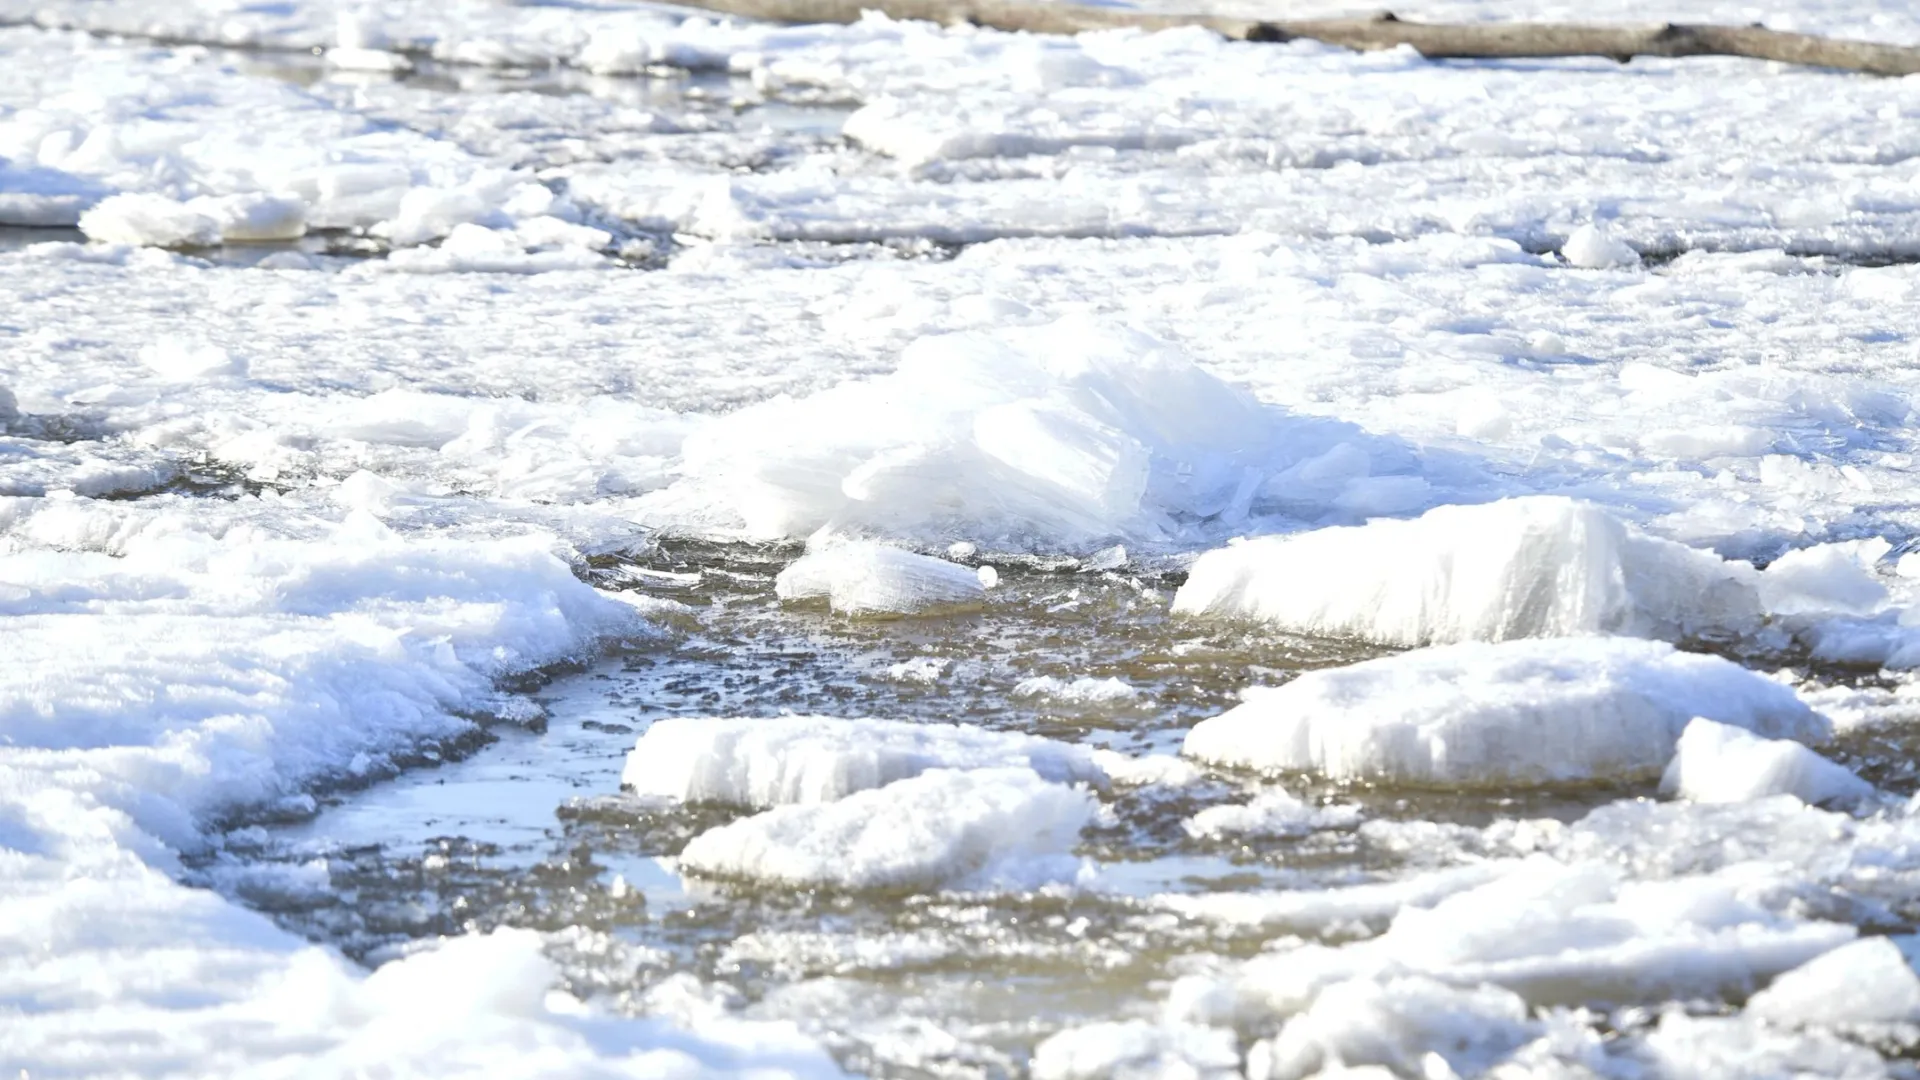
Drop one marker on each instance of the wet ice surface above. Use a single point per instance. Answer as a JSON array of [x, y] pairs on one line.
[[342, 572]]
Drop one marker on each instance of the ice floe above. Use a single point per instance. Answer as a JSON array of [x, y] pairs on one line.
[[1869, 981], [872, 579], [1722, 763], [1272, 812], [1527, 711], [811, 759], [1541, 566], [993, 827]]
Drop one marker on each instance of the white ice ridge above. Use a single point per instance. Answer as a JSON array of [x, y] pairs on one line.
[[987, 828], [1058, 436], [1722, 763], [860, 578], [811, 759], [1527, 711], [1539, 566], [194, 674]]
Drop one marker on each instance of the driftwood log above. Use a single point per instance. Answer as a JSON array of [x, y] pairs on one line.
[[1436, 41]]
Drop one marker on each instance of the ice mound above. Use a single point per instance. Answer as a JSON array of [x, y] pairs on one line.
[[1864, 982], [872, 579], [944, 827], [1721, 763], [147, 220], [1540, 566], [811, 759], [1554, 933], [142, 220], [1137, 1049], [1063, 435], [1395, 1025], [1593, 246], [1531, 711], [1275, 812]]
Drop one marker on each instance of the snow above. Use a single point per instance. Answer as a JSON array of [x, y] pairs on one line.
[[872, 579], [1721, 763], [1526, 711], [1536, 567], [814, 759], [991, 827], [190, 676]]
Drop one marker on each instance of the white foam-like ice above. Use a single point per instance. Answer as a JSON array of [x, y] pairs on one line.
[[1527, 711], [1541, 566], [1721, 763], [993, 827], [857, 578], [811, 759]]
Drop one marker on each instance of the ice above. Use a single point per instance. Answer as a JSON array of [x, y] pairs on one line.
[[873, 579], [1721, 763], [1553, 933], [1064, 435], [1527, 711], [1864, 982], [1397, 1024], [150, 220], [1137, 1050], [1085, 690], [1534, 567], [1317, 910], [993, 827], [1162, 769], [1272, 812], [1594, 247], [812, 759]]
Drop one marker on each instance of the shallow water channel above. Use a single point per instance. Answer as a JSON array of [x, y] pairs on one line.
[[532, 830]]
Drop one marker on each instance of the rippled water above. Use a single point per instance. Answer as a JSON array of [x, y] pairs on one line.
[[532, 830]]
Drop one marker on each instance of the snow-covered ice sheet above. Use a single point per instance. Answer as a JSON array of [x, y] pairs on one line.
[[986, 827], [811, 759], [1527, 711]]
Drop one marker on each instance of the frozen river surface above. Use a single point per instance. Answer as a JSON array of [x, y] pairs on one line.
[[577, 540]]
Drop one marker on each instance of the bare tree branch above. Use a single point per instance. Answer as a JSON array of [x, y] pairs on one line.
[[1478, 41]]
